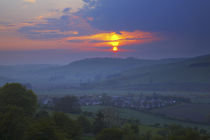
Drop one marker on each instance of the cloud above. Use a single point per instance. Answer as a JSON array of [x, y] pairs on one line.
[[66, 10], [184, 24], [181, 16], [75, 29], [66, 25], [30, 1], [123, 38], [153, 28]]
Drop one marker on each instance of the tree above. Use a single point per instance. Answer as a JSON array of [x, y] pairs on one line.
[[85, 123], [98, 123], [110, 134], [68, 104], [17, 105], [208, 118], [15, 94], [12, 123], [44, 129], [131, 131], [192, 135], [66, 125], [176, 130], [58, 126], [42, 114], [111, 117]]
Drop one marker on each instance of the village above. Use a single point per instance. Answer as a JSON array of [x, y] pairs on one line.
[[135, 102]]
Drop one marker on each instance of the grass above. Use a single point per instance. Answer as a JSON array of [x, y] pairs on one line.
[[63, 92], [146, 118], [143, 129], [87, 138], [190, 112], [201, 100]]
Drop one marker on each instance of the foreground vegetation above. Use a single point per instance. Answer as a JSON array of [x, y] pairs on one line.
[[22, 119]]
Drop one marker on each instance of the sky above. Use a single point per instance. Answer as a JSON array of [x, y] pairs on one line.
[[59, 32]]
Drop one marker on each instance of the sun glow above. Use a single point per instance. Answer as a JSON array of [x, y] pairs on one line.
[[115, 44], [115, 49], [114, 39]]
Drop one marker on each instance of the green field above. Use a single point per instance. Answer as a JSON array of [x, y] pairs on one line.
[[189, 112], [146, 118], [202, 96], [201, 100]]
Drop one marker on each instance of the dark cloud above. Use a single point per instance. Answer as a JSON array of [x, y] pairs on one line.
[[151, 15], [76, 41], [66, 10], [35, 32], [183, 23], [63, 24]]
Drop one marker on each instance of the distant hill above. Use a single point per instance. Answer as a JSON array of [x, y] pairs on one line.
[[4, 80], [189, 74], [181, 74], [75, 73], [99, 68]]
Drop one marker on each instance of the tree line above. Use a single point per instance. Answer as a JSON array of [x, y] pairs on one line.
[[21, 118]]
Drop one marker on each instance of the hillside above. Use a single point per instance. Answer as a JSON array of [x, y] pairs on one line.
[[190, 74], [75, 73]]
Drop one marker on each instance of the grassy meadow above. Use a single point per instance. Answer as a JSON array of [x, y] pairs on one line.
[[146, 118]]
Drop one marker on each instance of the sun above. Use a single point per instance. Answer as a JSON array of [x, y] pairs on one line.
[[115, 42], [115, 37], [115, 49]]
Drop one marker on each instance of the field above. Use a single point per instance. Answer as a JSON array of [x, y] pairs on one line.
[[201, 100], [197, 97], [186, 112], [143, 129], [146, 118]]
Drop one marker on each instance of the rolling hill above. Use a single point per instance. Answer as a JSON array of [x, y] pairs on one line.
[[189, 74], [75, 73]]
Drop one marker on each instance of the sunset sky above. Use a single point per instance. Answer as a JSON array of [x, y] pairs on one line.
[[61, 31]]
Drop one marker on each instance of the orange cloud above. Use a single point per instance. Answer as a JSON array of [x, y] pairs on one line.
[[17, 42], [116, 39], [56, 32], [30, 1], [97, 42], [15, 27], [12, 39]]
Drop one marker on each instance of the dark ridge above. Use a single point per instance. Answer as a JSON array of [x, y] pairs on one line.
[[200, 64]]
